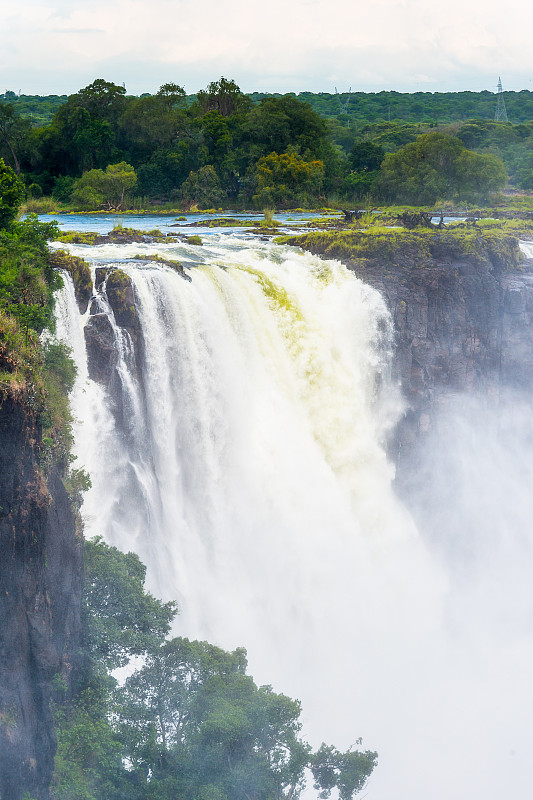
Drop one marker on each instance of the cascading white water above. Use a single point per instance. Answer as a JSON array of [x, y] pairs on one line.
[[251, 479]]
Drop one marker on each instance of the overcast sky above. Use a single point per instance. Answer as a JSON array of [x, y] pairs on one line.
[[59, 46]]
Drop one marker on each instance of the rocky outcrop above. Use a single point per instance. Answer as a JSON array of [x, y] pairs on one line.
[[40, 596], [449, 320], [80, 272], [462, 326], [114, 293], [102, 355], [120, 295], [113, 335]]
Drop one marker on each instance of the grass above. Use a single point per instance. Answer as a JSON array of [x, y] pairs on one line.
[[77, 237], [19, 354], [174, 264], [268, 220], [41, 205], [397, 247], [225, 222]]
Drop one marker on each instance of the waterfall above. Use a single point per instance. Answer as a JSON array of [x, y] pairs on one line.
[[249, 473]]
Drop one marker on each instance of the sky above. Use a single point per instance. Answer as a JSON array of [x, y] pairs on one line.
[[59, 46]]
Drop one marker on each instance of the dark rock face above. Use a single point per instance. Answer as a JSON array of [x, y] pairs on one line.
[[122, 300], [112, 333], [517, 330], [101, 348], [40, 596], [102, 338]]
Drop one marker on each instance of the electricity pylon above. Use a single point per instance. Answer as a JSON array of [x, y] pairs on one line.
[[500, 115], [343, 106]]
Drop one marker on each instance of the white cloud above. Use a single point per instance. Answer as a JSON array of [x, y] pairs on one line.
[[304, 44]]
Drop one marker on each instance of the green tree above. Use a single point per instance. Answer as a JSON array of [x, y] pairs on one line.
[[224, 97], [478, 175], [166, 170], [357, 185], [102, 99], [195, 722], [11, 194], [203, 188], [437, 166], [366, 156], [13, 130], [75, 141], [152, 123], [348, 772], [120, 619], [188, 723], [83, 132], [107, 187], [218, 140], [287, 179]]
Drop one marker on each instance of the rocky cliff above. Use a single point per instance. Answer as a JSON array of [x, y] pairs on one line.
[[462, 305], [40, 588]]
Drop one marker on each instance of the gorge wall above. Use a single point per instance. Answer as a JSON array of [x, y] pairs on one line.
[[40, 580]]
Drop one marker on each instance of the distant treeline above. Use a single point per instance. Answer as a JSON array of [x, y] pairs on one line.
[[221, 147], [40, 109], [437, 107], [431, 107]]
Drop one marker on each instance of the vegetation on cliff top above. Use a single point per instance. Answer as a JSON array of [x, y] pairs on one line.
[[34, 369], [398, 247], [80, 272]]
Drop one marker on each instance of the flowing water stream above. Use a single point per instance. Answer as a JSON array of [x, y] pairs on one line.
[[248, 471]]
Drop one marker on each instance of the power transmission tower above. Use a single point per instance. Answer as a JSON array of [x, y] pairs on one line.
[[500, 115], [343, 106]]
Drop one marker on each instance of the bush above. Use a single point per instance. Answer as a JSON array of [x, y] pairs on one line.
[[98, 188], [35, 191], [203, 189]]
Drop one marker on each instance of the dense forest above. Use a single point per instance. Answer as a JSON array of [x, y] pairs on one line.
[[100, 148]]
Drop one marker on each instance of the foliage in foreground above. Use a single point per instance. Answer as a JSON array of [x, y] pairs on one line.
[[189, 722]]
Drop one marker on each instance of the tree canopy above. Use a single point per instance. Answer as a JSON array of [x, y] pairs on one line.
[[188, 722], [437, 166], [212, 146], [104, 188]]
